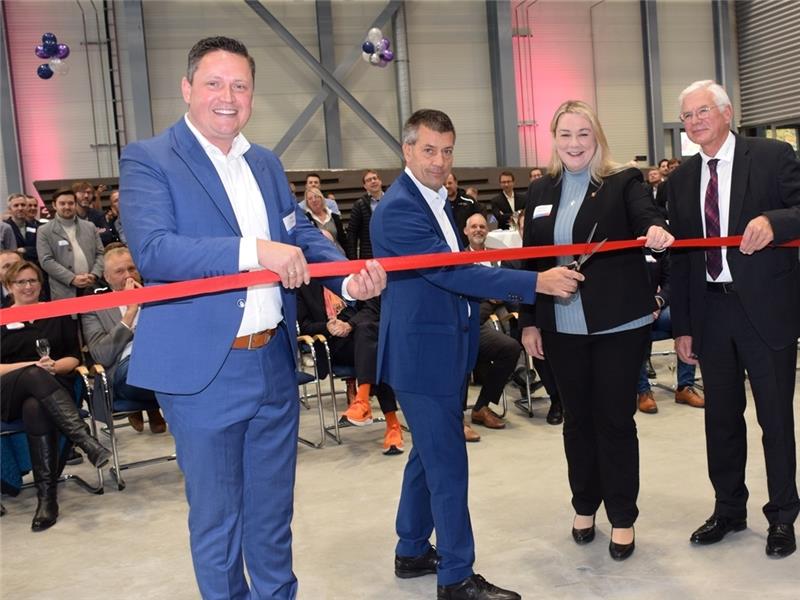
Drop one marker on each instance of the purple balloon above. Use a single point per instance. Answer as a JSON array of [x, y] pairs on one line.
[[44, 72], [41, 52], [49, 37], [387, 55], [368, 47], [386, 43], [63, 51]]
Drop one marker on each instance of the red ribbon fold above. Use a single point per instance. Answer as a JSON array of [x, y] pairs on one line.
[[196, 287]]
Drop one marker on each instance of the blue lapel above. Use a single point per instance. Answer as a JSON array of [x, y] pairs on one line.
[[195, 158], [269, 192], [414, 191]]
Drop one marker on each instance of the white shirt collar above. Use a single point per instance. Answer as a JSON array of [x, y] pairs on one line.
[[725, 152], [239, 146], [432, 197]]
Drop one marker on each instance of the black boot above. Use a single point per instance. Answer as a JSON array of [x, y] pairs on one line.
[[62, 411], [44, 460]]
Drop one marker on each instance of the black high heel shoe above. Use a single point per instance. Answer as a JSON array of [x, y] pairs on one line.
[[583, 536], [621, 551]]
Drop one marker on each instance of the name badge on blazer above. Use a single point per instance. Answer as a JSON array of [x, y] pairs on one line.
[[63, 243], [289, 221], [543, 210], [30, 229]]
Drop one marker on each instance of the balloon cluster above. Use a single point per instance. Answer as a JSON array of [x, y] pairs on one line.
[[375, 49], [50, 48]]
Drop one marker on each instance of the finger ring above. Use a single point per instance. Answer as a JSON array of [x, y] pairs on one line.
[[292, 271]]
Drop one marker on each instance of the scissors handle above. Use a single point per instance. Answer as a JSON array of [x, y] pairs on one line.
[[573, 266]]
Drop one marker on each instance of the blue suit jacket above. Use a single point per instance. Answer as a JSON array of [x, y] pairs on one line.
[[180, 225], [427, 342]]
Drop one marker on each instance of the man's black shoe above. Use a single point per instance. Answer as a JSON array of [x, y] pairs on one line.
[[780, 540], [555, 416], [407, 567], [474, 587], [715, 528]]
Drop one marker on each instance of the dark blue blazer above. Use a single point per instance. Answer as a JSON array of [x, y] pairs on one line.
[[180, 225], [427, 342]]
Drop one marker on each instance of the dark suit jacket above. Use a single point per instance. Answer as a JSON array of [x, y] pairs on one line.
[[617, 287], [427, 342], [26, 239], [765, 181], [180, 225], [358, 242], [501, 209]]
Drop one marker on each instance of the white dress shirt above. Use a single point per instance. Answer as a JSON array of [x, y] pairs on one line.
[[263, 305], [511, 201], [436, 201], [724, 175]]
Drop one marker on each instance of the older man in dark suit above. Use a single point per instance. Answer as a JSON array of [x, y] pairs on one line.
[[735, 310], [109, 335]]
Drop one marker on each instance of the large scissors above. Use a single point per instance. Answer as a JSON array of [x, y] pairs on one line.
[[576, 264]]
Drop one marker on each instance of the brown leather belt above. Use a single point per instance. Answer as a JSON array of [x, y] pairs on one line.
[[254, 340]]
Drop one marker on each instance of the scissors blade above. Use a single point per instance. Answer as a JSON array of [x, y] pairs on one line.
[[588, 255]]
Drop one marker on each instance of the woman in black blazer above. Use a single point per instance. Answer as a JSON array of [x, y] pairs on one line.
[[594, 340]]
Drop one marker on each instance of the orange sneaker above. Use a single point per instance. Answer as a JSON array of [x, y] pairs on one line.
[[393, 438], [359, 413]]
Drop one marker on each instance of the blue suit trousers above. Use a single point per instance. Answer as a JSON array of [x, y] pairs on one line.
[[236, 444], [435, 482]]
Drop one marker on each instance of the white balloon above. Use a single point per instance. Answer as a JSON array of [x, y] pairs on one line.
[[59, 66], [375, 35], [375, 59], [366, 56]]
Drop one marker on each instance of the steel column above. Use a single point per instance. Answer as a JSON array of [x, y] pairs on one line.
[[652, 77], [504, 95]]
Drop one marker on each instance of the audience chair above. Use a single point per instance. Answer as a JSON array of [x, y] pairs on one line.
[[105, 409], [305, 345]]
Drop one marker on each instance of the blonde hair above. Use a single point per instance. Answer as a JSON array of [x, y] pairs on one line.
[[601, 164]]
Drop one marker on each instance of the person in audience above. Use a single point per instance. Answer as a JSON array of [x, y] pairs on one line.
[[498, 353], [352, 335], [200, 199], [313, 181], [427, 346], [358, 242], [507, 203], [70, 250], [322, 217], [659, 270], [462, 205], [109, 336], [111, 233], [37, 359], [24, 229], [734, 310], [472, 192], [7, 258], [536, 173], [595, 339], [8, 240], [32, 211], [663, 168], [673, 164], [654, 181], [84, 207]]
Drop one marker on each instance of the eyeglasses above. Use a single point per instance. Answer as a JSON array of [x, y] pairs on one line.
[[25, 282], [701, 114]]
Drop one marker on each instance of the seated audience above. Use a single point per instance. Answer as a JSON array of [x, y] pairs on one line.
[[37, 359], [659, 269], [322, 217], [109, 336], [353, 340], [536, 173], [7, 258], [70, 250]]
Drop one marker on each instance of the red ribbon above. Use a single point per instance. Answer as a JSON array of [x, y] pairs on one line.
[[196, 287]]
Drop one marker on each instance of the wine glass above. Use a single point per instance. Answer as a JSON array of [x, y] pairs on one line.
[[43, 347]]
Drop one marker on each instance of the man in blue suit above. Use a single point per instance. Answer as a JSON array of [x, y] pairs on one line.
[[199, 201], [428, 344]]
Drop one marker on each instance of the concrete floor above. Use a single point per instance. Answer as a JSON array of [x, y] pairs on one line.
[[134, 544]]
